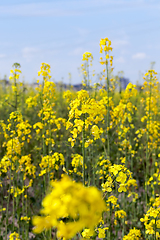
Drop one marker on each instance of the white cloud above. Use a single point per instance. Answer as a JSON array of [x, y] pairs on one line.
[[28, 53], [83, 32], [139, 55], [78, 51], [126, 3], [119, 43], [120, 60], [2, 55], [71, 7], [37, 9]]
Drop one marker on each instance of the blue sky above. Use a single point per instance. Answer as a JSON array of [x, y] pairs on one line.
[[58, 32]]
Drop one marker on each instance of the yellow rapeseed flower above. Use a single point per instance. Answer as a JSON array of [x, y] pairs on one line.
[[70, 207]]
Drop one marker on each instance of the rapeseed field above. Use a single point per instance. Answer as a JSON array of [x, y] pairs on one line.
[[80, 164]]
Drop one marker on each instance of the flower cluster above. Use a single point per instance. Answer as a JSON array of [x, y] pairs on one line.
[[51, 163], [134, 234], [69, 207], [105, 45], [86, 113], [152, 219], [14, 236]]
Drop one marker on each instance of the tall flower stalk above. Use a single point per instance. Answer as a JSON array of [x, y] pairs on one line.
[[105, 45]]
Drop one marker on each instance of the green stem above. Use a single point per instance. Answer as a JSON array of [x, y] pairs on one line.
[[108, 122], [7, 210], [110, 215], [83, 150], [16, 95], [27, 223], [155, 228], [23, 211], [147, 150]]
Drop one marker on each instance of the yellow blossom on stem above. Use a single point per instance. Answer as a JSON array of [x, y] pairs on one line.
[[70, 207]]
